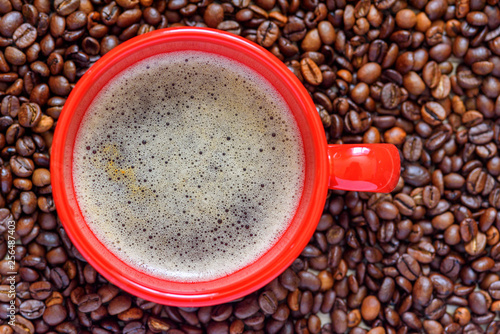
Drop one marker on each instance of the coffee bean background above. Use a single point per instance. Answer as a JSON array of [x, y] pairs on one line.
[[421, 74]]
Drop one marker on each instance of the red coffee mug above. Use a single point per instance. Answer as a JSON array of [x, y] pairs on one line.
[[373, 168]]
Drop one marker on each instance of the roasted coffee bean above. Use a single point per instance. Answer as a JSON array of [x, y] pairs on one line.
[[387, 210], [59, 278], [431, 196], [267, 33], [117, 305], [395, 135], [436, 309], [357, 122], [92, 302], [25, 146], [405, 62], [483, 264], [10, 106], [311, 72], [408, 267], [230, 26], [423, 252], [312, 41], [468, 80], [246, 308], [55, 314], [416, 175], [32, 309], [494, 290], [431, 74], [59, 85], [481, 134], [14, 56], [476, 245], [127, 4], [413, 83], [369, 73], [479, 181], [390, 96], [453, 181], [339, 321], [479, 302], [295, 29], [433, 113], [221, 312], [106, 292], [22, 166], [128, 18], [422, 291], [29, 114], [326, 32], [10, 22], [412, 148], [66, 7], [468, 229], [472, 118], [40, 290], [21, 325], [370, 308], [405, 204], [24, 36], [442, 90]]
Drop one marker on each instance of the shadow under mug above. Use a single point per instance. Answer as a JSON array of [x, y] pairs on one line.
[[370, 167]]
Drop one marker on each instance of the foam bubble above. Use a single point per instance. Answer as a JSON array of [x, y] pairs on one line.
[[188, 166]]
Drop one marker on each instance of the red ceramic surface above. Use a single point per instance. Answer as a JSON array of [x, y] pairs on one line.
[[352, 167]]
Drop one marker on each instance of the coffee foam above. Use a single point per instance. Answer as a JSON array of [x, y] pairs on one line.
[[188, 166]]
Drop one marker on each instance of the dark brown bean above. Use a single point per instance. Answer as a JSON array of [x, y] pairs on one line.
[[32, 309], [267, 33], [369, 72], [24, 36], [55, 314], [431, 74], [409, 267], [433, 113], [92, 302], [311, 72], [422, 291], [10, 22], [66, 7], [14, 56]]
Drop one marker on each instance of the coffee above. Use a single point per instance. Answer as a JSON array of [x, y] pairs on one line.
[[188, 166]]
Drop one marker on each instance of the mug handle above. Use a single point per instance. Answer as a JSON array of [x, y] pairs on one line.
[[364, 167]]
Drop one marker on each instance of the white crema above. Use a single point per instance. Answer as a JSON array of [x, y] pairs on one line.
[[188, 166]]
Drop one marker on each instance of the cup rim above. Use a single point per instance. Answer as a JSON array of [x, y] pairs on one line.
[[204, 294]]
